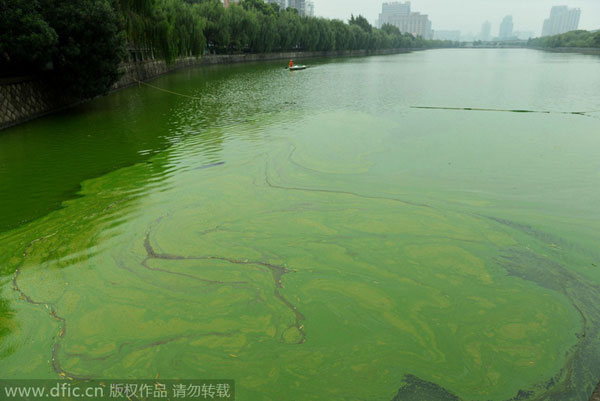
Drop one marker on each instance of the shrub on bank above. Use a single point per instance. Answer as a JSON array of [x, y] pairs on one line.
[[582, 39]]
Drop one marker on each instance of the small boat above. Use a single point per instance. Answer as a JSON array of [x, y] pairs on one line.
[[297, 68]]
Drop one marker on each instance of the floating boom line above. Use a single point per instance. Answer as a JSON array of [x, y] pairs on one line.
[[578, 113]]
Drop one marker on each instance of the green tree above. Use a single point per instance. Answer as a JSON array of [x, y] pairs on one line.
[[391, 30], [379, 40], [178, 29], [569, 39], [341, 33], [267, 39], [362, 22], [326, 35], [216, 29], [243, 28], [311, 35], [260, 6], [27, 41], [91, 45], [359, 36], [289, 27]]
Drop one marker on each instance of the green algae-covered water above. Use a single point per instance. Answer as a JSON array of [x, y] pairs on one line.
[[315, 235]]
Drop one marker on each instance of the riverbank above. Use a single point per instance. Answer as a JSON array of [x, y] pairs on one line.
[[581, 50], [24, 99], [145, 70]]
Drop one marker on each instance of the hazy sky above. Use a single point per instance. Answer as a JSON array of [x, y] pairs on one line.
[[468, 15]]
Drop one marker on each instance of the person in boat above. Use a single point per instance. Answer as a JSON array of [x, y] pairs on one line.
[[291, 63]]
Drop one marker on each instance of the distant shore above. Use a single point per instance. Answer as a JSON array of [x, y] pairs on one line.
[[582, 50]]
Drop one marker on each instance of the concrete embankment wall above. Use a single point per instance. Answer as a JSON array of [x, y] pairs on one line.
[[26, 98], [145, 70]]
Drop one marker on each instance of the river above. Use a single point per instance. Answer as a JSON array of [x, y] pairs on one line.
[[419, 226]]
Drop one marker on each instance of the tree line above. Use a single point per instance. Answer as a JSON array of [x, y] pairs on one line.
[[251, 26], [583, 39], [79, 44]]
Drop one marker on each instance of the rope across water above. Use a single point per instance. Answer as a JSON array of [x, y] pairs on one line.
[[166, 90]]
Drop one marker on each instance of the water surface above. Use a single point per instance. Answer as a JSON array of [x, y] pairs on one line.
[[315, 235]]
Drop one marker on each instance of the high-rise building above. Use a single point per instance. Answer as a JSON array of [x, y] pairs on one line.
[[562, 19], [310, 8], [281, 3], [392, 10], [299, 5], [506, 28], [400, 15], [486, 32]]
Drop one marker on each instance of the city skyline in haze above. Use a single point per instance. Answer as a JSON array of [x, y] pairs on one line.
[[468, 15]]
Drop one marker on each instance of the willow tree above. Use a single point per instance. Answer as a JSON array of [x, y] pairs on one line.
[[137, 16], [189, 30], [215, 30], [243, 27], [289, 26]]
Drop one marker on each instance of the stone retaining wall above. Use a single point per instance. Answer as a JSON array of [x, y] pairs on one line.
[[25, 98]]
